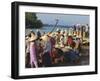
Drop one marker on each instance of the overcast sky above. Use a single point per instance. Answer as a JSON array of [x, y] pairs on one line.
[[64, 19]]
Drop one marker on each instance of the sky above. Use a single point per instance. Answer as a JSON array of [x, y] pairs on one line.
[[64, 19]]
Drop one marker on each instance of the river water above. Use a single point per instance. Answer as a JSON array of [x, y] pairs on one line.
[[44, 29]]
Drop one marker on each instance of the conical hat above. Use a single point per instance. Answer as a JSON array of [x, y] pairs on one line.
[[26, 37], [78, 36], [69, 34], [66, 31], [74, 34], [33, 38], [51, 35], [62, 31], [45, 38]]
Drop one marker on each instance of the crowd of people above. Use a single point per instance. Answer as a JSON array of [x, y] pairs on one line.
[[48, 49]]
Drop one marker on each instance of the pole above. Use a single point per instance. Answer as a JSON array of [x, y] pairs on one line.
[[55, 25]]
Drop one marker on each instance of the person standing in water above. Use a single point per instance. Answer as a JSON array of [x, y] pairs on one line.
[[33, 59]]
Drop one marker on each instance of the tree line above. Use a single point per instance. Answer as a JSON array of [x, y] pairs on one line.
[[31, 20]]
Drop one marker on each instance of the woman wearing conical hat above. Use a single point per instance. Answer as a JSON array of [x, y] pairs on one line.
[[33, 59]]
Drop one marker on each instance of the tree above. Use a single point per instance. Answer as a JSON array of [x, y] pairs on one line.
[[31, 20]]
